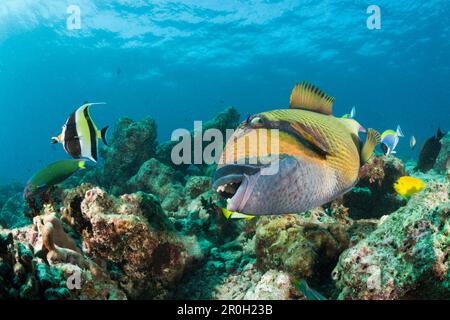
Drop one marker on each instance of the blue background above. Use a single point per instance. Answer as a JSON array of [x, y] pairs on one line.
[[181, 61]]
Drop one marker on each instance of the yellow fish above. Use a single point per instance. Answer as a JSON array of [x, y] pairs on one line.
[[292, 160], [236, 215], [406, 186]]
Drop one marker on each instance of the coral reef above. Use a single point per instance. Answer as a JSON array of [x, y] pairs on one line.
[[12, 212], [157, 178], [227, 119], [42, 262], [133, 234], [407, 256], [442, 164], [139, 227], [374, 195], [307, 246], [251, 285]]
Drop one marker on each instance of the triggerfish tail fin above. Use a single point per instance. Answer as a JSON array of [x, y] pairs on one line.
[[309, 97], [103, 135], [372, 140], [235, 215], [308, 292], [399, 131]]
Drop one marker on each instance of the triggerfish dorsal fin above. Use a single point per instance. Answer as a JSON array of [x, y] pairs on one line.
[[372, 140], [309, 97]]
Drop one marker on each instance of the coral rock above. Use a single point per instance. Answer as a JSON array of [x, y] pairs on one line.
[[374, 195], [132, 143], [307, 245], [443, 160], [409, 250], [150, 257], [159, 179]]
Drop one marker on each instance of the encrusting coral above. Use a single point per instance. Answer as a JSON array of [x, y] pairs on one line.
[[407, 256], [443, 160], [307, 246], [374, 194], [132, 233]]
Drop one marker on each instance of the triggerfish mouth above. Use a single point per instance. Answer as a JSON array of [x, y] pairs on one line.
[[316, 157], [80, 135]]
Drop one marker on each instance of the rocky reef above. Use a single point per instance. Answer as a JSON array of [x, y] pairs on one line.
[[12, 206], [138, 227], [442, 164], [407, 256]]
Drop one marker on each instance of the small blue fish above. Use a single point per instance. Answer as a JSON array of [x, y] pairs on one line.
[[389, 140], [350, 115]]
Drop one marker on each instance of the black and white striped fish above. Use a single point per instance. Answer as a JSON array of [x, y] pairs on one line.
[[80, 135]]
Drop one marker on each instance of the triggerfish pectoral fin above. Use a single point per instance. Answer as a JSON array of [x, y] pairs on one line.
[[372, 140]]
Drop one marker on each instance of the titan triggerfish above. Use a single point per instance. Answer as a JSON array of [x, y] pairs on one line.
[[317, 157]]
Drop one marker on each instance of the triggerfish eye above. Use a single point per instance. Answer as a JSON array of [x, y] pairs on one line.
[[256, 122]]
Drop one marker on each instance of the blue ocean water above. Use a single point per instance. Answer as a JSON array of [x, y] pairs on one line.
[[180, 61]]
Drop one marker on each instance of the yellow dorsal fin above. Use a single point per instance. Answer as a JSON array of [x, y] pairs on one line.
[[372, 140], [309, 97]]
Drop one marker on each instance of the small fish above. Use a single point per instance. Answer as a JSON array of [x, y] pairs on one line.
[[318, 157], [51, 175], [307, 291], [236, 215], [412, 142], [80, 135], [350, 115], [429, 152], [406, 186], [390, 139]]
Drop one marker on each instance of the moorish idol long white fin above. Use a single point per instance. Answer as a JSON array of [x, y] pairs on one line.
[[92, 104]]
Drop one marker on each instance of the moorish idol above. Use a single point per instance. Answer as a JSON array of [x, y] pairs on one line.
[[80, 135]]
